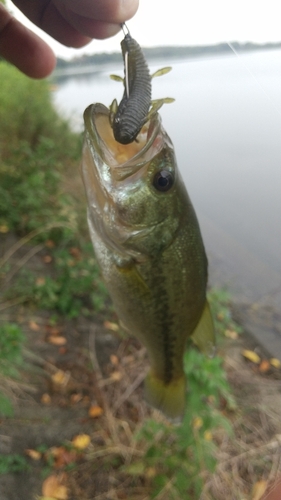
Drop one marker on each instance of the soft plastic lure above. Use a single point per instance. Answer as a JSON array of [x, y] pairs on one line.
[[134, 111]]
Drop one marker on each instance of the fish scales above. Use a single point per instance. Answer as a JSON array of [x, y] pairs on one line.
[[148, 244]]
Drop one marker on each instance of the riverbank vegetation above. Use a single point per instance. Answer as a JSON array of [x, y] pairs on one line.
[[164, 53], [71, 401]]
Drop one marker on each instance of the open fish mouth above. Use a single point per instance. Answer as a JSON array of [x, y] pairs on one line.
[[123, 160], [112, 171]]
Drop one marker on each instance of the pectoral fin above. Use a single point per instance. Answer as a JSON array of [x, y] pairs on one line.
[[130, 270], [204, 333]]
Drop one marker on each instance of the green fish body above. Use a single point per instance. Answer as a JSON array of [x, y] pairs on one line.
[[148, 244]]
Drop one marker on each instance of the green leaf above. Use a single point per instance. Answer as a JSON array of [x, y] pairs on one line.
[[6, 408]]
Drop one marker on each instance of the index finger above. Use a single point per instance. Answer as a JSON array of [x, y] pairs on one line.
[[23, 48], [109, 11]]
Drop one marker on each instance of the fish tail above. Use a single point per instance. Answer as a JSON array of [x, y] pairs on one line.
[[166, 397]]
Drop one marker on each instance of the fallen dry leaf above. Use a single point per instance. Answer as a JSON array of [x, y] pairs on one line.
[[75, 398], [60, 378], [150, 472], [53, 487], [62, 456], [111, 326], [259, 489], [116, 376], [231, 334], [47, 259], [65, 458], [275, 362], [33, 454], [274, 492], [54, 330], [114, 359], [264, 366], [50, 244], [81, 441], [95, 411], [75, 252], [34, 326], [251, 356], [46, 399], [59, 341]]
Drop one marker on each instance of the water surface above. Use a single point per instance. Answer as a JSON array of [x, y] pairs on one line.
[[226, 128]]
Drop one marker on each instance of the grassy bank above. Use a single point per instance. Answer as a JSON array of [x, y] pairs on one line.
[[37, 149]]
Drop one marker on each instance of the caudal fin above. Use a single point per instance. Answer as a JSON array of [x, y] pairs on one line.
[[168, 398]]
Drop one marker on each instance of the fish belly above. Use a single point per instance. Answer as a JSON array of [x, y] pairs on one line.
[[160, 301]]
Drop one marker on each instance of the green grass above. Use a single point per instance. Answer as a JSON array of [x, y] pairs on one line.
[[11, 360], [36, 148], [27, 115], [220, 303], [13, 463], [11, 342], [180, 457], [74, 286]]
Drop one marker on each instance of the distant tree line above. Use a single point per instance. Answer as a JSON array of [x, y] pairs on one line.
[[165, 52]]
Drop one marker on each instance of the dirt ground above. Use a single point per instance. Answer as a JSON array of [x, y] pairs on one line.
[[80, 377], [92, 368]]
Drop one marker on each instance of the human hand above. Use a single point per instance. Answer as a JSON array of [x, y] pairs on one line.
[[73, 23]]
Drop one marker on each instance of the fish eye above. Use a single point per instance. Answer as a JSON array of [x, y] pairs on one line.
[[163, 180]]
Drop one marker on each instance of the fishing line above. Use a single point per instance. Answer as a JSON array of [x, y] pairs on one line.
[[253, 76]]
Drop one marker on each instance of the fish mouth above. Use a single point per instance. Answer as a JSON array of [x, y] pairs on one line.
[[108, 167], [124, 160]]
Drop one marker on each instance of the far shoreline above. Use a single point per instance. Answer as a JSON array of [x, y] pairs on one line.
[[87, 64]]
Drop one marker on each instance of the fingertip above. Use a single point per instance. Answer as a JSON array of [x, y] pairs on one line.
[[40, 61], [128, 8], [25, 50]]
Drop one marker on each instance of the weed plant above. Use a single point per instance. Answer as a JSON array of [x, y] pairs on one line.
[[220, 303], [30, 196], [27, 115], [11, 342], [179, 458], [13, 463], [36, 146], [74, 289]]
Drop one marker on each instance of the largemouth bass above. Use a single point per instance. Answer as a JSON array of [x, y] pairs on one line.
[[148, 244]]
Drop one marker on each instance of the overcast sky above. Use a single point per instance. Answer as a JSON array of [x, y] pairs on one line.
[[194, 22]]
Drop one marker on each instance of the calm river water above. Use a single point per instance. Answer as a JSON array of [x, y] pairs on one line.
[[226, 128]]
